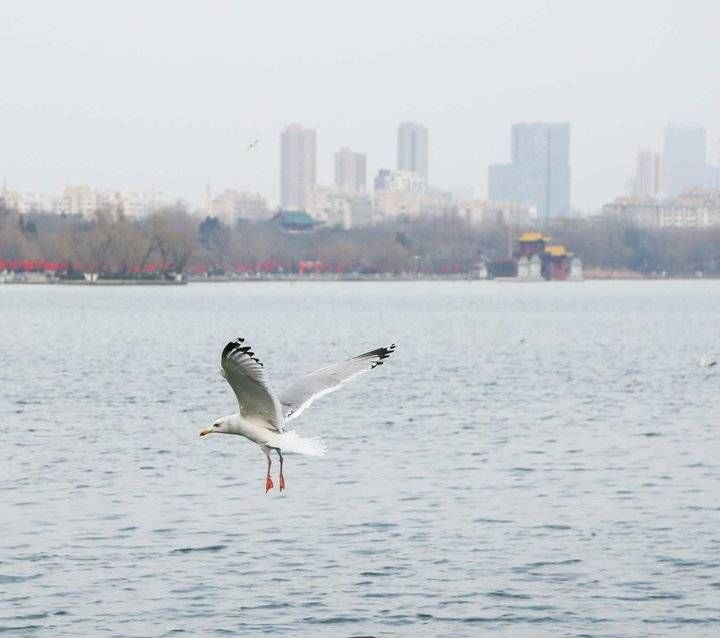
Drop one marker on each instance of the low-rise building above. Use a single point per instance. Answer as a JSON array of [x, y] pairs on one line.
[[26, 202], [405, 193], [134, 204], [12, 200], [330, 206], [232, 205], [400, 180], [86, 201], [698, 208], [339, 208], [363, 211], [77, 200], [641, 212], [296, 221], [390, 203], [479, 212], [687, 217]]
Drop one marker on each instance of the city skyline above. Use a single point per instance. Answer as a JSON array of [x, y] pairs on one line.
[[538, 176], [146, 121]]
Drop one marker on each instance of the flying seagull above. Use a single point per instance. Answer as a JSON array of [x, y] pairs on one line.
[[707, 362], [263, 416], [252, 145]]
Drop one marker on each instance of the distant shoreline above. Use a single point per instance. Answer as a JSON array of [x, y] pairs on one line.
[[101, 282], [340, 279]]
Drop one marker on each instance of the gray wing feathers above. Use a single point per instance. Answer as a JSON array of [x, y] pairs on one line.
[[244, 372], [305, 390]]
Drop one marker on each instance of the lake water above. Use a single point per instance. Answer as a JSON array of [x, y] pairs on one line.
[[535, 460]]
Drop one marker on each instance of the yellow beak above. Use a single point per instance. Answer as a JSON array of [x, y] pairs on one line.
[[204, 432]]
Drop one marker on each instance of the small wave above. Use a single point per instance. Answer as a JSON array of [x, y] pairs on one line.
[[505, 618], [334, 620], [9, 578], [649, 597], [507, 594], [207, 548], [551, 563], [683, 562], [4, 628], [376, 525], [682, 621]]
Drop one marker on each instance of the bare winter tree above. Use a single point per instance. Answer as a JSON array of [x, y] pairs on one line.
[[173, 233], [93, 245], [133, 248]]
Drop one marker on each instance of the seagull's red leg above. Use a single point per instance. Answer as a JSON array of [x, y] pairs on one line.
[[282, 478], [268, 481]]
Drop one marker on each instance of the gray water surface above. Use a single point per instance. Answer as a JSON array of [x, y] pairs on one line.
[[535, 460]]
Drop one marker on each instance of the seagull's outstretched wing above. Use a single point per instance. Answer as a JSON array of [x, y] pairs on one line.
[[308, 388], [244, 372]]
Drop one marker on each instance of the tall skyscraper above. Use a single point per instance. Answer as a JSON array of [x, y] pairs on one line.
[[412, 148], [649, 175], [539, 174], [685, 157], [350, 171], [297, 171]]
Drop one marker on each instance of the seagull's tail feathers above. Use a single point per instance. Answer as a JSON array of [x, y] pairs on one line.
[[291, 442]]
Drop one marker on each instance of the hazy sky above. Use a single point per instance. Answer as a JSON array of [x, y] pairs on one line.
[[167, 95]]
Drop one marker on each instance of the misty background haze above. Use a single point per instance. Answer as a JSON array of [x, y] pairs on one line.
[[167, 96]]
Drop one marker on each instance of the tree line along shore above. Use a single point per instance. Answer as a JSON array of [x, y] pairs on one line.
[[176, 241]]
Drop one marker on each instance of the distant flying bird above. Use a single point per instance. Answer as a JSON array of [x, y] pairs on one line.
[[262, 417], [252, 145], [708, 362]]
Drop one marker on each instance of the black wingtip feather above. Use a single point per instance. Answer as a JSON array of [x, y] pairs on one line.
[[380, 353], [235, 346]]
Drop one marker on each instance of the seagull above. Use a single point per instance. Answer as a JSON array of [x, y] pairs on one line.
[[263, 416], [707, 362], [252, 145]]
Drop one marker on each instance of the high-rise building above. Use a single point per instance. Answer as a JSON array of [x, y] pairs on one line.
[[539, 173], [649, 177], [350, 171], [297, 171], [685, 159], [412, 148]]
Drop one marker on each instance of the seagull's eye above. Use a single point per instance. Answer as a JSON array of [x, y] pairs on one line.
[[216, 425]]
